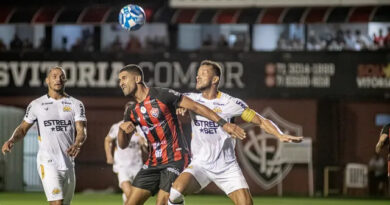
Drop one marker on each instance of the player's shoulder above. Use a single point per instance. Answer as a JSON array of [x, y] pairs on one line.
[[228, 99], [163, 92], [193, 95], [73, 100], [39, 100]]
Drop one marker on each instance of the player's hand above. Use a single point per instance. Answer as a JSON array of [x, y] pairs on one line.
[[110, 160], [7, 146], [127, 127], [234, 130], [181, 111], [73, 150], [289, 138]]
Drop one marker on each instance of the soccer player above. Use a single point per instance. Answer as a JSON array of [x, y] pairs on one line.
[[155, 112], [62, 127], [384, 139], [126, 162], [213, 155]]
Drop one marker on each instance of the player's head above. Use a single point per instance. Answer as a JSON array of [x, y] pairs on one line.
[[209, 74], [129, 77], [55, 79]]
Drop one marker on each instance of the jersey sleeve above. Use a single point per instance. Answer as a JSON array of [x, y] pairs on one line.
[[237, 106], [386, 129], [170, 96], [113, 131], [30, 116], [79, 112]]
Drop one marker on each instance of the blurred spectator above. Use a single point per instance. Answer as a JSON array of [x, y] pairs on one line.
[[134, 44], [3, 47], [27, 45], [222, 42], [16, 43], [362, 42], [64, 41], [377, 175], [207, 42], [77, 46], [379, 40], [387, 38], [116, 45], [349, 40]]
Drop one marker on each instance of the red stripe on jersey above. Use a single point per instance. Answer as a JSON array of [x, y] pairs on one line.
[[150, 137], [159, 131], [175, 142], [132, 116]]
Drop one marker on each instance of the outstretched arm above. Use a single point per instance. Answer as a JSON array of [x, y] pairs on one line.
[[18, 134], [81, 136], [268, 126], [381, 142], [200, 109]]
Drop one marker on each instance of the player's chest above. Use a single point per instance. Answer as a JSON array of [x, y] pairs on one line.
[[151, 111], [219, 107], [55, 111]]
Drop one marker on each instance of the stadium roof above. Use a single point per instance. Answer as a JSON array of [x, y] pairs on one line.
[[98, 14]]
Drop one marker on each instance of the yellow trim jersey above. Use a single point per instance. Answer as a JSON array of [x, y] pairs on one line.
[[56, 127]]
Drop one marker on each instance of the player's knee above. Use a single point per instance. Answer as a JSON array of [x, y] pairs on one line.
[[175, 197]]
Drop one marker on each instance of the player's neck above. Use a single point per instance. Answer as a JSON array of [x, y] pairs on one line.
[[141, 93], [210, 93], [56, 95]]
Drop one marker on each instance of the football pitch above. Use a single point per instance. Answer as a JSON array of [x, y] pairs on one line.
[[106, 199]]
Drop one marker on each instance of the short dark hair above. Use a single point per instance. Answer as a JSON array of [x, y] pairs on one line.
[[216, 66], [133, 68]]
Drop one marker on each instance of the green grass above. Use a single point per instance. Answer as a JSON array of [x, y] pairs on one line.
[[107, 199]]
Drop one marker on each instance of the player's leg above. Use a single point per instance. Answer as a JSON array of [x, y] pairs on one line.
[[138, 196], [191, 180], [232, 182], [241, 196], [69, 184], [50, 180], [162, 197], [125, 177], [145, 184], [126, 188]]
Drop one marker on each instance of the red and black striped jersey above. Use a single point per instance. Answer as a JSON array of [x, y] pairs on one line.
[[156, 115]]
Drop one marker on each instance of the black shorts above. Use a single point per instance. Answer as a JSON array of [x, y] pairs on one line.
[[158, 177]]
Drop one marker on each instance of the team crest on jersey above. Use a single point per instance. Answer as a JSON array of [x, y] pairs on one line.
[[261, 153], [67, 109], [143, 110], [217, 110], [155, 112], [56, 191]]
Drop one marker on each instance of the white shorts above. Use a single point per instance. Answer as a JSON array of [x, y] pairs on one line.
[[57, 184], [228, 180], [126, 174]]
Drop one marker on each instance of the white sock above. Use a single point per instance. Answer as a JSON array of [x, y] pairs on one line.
[[124, 198]]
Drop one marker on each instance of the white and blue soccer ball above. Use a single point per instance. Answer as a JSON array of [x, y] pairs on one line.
[[132, 17]]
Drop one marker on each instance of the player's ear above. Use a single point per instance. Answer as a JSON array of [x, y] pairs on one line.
[[47, 81], [138, 79], [215, 80]]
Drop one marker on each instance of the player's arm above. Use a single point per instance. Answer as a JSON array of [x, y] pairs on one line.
[[125, 132], [200, 109], [267, 125], [18, 134], [108, 149], [81, 136], [383, 139]]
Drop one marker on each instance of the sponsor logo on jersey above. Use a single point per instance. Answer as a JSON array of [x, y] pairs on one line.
[[57, 125], [174, 92], [67, 109], [66, 103], [154, 112], [261, 153], [240, 103], [206, 127], [143, 110], [46, 103], [82, 110], [28, 111], [219, 104]]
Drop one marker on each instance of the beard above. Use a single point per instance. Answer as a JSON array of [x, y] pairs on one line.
[[203, 87]]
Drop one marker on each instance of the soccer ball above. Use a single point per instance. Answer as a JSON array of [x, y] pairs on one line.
[[132, 17]]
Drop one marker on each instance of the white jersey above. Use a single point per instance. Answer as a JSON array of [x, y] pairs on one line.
[[211, 146], [56, 127], [131, 156]]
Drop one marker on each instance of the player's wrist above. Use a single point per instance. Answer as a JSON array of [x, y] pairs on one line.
[[221, 122]]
